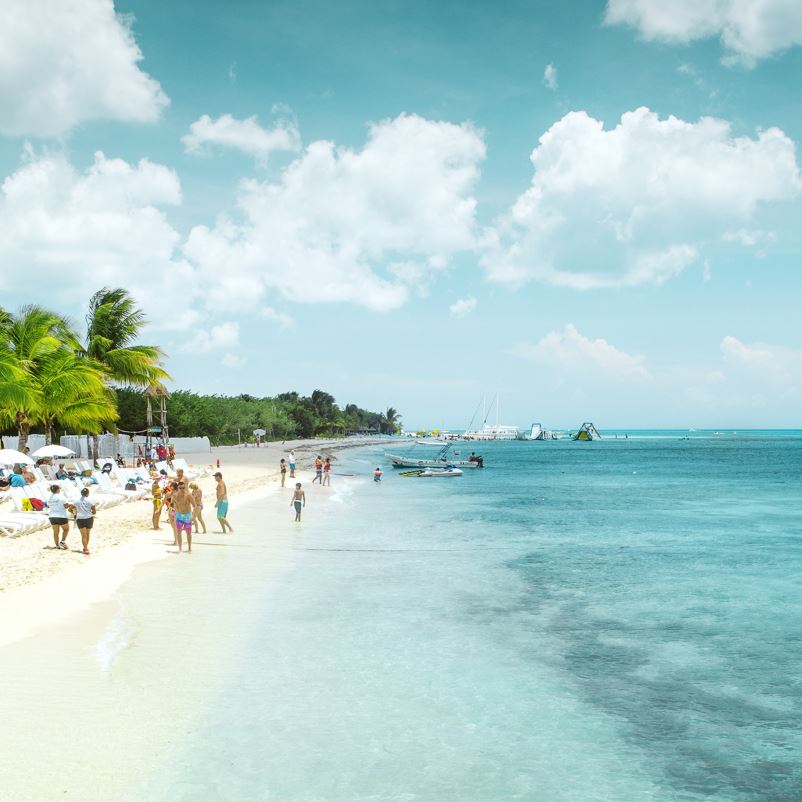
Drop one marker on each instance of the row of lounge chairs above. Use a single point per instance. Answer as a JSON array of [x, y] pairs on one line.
[[106, 489]]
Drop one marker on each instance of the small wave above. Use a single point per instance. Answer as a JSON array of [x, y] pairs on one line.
[[115, 638]]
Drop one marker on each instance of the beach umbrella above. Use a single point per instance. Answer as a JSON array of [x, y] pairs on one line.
[[53, 451], [10, 456]]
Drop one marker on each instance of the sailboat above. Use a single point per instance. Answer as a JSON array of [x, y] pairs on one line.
[[495, 431]]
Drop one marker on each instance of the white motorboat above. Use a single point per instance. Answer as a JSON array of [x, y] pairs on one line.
[[446, 457]]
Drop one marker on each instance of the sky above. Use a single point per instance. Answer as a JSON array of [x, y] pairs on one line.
[[591, 209]]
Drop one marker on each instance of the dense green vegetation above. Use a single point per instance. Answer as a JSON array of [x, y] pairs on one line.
[[54, 380], [227, 419]]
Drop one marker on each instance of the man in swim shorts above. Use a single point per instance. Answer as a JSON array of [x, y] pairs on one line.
[[222, 503], [292, 464], [184, 505], [298, 501]]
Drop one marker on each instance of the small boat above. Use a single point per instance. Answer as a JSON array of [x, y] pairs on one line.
[[443, 459], [433, 473]]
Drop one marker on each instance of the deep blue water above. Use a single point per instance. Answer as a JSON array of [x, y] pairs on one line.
[[618, 620]]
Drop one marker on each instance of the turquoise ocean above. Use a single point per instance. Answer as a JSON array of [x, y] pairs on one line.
[[617, 620]]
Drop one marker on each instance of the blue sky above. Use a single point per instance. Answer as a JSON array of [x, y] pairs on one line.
[[643, 271]]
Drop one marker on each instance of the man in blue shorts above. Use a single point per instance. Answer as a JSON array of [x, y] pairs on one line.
[[222, 503]]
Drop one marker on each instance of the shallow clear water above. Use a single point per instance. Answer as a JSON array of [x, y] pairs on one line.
[[617, 620]]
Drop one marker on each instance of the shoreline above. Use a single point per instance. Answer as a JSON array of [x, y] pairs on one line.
[[32, 576]]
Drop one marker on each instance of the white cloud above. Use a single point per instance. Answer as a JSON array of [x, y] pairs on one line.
[[233, 361], [550, 76], [65, 62], [337, 218], [218, 338], [245, 135], [283, 320], [749, 29], [636, 203], [72, 232], [570, 351], [462, 307]]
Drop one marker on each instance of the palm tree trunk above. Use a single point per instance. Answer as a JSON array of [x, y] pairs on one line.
[[95, 447], [24, 430]]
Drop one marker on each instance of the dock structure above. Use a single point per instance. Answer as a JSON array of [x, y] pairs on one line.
[[587, 431]]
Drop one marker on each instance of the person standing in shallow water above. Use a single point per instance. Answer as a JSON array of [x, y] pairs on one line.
[[318, 470], [377, 475], [327, 472], [184, 504], [283, 468], [298, 501], [222, 503]]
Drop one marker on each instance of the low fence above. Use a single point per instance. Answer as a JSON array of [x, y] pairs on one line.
[[110, 444]]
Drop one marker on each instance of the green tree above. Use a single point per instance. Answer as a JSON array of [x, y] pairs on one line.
[[113, 325], [33, 336]]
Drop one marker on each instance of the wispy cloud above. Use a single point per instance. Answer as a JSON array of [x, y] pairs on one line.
[[550, 77], [462, 307]]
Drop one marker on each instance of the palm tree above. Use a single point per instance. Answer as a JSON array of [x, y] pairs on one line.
[[113, 324], [390, 421], [32, 337], [73, 392], [14, 393]]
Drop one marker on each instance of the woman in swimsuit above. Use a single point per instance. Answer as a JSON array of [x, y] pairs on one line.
[[158, 502], [283, 468], [298, 501]]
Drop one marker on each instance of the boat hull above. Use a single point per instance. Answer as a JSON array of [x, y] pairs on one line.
[[407, 462]]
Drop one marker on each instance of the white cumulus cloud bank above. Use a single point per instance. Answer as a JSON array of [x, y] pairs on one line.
[[749, 29], [74, 231], [338, 220], [462, 307], [569, 350], [634, 204], [246, 135], [65, 62]]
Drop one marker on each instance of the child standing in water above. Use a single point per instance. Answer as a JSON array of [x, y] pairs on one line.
[[377, 475], [298, 501]]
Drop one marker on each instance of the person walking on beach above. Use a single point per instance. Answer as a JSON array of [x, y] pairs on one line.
[[298, 501], [318, 470], [184, 504], [84, 511], [222, 503], [197, 517], [292, 464], [57, 511], [283, 468], [327, 472], [158, 502]]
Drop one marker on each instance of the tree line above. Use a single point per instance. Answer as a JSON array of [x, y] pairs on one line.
[[230, 419], [57, 378]]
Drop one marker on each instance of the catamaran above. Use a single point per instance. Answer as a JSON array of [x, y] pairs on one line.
[[446, 457]]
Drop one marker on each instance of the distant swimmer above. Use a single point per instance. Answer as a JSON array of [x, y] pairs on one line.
[[222, 503], [298, 501], [327, 472], [377, 475]]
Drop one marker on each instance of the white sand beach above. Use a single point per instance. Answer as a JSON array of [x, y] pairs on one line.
[[33, 574]]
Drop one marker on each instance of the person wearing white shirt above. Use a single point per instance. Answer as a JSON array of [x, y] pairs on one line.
[[57, 511], [85, 512]]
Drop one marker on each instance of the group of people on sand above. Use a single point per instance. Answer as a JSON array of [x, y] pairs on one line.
[[183, 502]]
